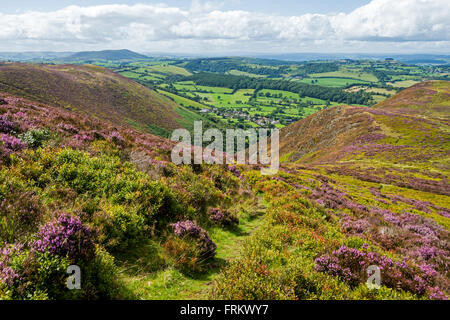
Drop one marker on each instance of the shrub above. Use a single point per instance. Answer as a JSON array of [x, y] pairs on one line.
[[11, 143], [223, 217], [190, 230], [21, 210], [66, 237], [350, 265], [8, 275], [117, 138], [195, 190], [35, 138], [7, 126], [100, 278], [250, 279], [119, 227], [185, 254]]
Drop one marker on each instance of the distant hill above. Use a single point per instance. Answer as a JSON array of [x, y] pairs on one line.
[[33, 55], [93, 91], [105, 55]]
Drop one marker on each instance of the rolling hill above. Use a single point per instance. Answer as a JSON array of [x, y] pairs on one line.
[[405, 124], [360, 188], [109, 55], [97, 92]]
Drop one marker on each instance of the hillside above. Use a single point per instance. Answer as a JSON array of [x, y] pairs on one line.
[[396, 130], [360, 188], [78, 190], [428, 98], [371, 189], [109, 55], [97, 92]]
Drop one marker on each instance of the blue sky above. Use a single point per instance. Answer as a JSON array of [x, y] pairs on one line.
[[227, 26], [268, 6]]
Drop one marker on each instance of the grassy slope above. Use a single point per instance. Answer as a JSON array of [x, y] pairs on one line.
[[92, 91]]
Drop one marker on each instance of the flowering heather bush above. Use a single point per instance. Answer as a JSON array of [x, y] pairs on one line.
[[66, 236], [79, 141], [7, 126], [352, 226], [371, 137], [67, 127], [329, 197], [190, 229], [234, 170], [223, 217], [444, 213], [117, 138], [350, 266], [12, 143], [7, 275]]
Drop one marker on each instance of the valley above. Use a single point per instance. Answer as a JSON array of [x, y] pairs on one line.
[[281, 99], [86, 179]]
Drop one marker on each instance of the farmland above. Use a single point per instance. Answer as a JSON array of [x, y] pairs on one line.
[[252, 92]]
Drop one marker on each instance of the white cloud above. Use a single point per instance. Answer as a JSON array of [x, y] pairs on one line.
[[205, 27]]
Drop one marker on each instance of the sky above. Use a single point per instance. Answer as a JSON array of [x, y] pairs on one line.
[[227, 27]]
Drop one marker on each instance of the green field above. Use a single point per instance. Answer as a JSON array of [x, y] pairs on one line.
[[333, 82], [238, 105]]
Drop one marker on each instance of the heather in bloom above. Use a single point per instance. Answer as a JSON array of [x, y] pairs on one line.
[[117, 138], [190, 229], [66, 236], [8, 275], [12, 143], [234, 170], [7, 126], [350, 264], [222, 217]]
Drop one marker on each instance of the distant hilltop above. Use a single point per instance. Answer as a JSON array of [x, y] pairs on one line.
[[105, 55]]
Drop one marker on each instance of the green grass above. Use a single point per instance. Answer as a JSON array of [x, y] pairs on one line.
[[347, 73], [146, 273], [332, 82], [183, 101], [403, 84]]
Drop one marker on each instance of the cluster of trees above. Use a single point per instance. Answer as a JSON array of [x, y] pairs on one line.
[[318, 67], [303, 89], [225, 65]]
